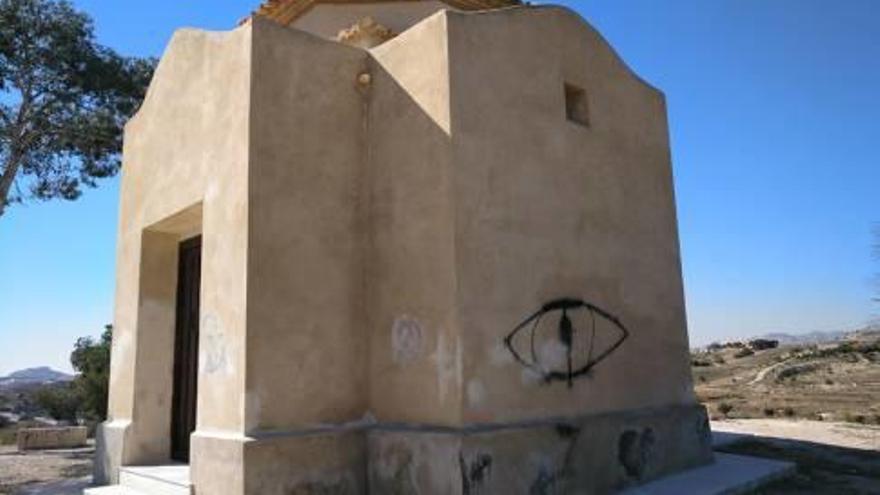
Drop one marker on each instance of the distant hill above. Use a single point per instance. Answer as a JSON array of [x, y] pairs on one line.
[[870, 332], [807, 338], [34, 376]]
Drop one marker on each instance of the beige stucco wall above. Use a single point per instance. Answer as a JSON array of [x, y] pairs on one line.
[[487, 202], [306, 345], [415, 356], [547, 208], [185, 172], [369, 242]]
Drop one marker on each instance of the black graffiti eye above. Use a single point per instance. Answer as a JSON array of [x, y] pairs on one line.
[[565, 339]]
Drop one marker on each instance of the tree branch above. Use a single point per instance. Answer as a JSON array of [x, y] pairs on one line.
[[10, 170], [16, 151], [64, 97]]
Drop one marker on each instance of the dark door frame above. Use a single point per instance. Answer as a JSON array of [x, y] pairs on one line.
[[186, 348]]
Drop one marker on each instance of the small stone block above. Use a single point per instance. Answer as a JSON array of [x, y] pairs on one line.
[[51, 438]]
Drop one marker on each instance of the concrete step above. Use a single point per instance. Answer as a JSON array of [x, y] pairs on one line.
[[111, 490], [148, 480], [157, 480], [728, 475]]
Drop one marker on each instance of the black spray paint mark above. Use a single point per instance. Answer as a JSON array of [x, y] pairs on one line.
[[545, 483], [567, 430], [550, 480], [634, 451], [474, 473], [321, 488], [704, 433], [579, 359]]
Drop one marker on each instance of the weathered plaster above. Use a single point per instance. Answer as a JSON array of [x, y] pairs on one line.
[[305, 346], [546, 208], [186, 149], [375, 223]]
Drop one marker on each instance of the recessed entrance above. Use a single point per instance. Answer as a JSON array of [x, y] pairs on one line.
[[186, 348]]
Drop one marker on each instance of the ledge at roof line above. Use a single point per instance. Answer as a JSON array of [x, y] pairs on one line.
[[286, 11]]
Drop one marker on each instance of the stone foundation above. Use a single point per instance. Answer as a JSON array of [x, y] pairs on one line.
[[109, 443], [313, 463], [592, 454], [589, 454]]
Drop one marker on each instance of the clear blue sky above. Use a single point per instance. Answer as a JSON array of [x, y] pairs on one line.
[[775, 115]]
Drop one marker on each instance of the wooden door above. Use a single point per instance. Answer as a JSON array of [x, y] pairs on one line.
[[186, 348]]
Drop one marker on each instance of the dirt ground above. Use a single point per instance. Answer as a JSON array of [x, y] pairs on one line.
[[831, 458], [846, 435], [791, 382], [29, 473]]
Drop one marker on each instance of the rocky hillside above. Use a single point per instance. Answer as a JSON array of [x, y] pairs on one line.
[[837, 381], [33, 376]]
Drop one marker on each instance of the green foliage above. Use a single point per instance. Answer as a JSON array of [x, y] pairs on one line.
[[60, 402], [8, 433], [92, 360], [86, 396], [63, 101]]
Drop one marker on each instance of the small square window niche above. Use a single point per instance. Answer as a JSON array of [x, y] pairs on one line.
[[577, 105]]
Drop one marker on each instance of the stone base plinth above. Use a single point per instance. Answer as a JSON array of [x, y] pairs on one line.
[[330, 460], [110, 439], [589, 454]]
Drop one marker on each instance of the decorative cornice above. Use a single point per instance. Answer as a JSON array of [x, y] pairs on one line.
[[365, 33], [286, 11]]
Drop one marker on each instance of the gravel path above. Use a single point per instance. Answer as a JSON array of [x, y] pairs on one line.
[[761, 374], [847, 435], [27, 473], [831, 458]]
